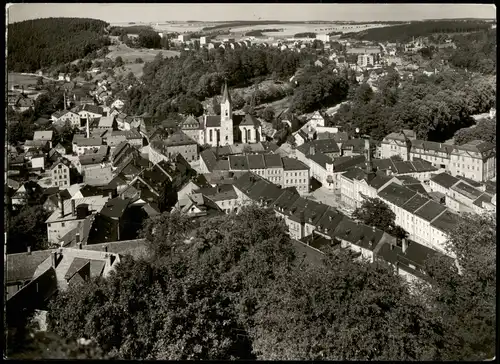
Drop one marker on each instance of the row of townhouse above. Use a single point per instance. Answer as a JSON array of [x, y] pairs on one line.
[[309, 221], [463, 196], [475, 160], [423, 218], [283, 171]]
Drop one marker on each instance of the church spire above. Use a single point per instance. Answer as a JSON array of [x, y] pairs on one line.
[[225, 94]]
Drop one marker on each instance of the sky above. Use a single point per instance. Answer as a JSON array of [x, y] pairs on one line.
[[128, 12]]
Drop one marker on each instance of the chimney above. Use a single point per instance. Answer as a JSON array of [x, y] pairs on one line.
[[110, 194], [218, 189], [79, 246], [73, 207], [61, 206], [392, 246], [312, 150], [405, 245], [29, 249], [374, 229], [77, 238]]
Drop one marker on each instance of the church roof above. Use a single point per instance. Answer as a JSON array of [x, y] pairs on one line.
[[190, 123], [225, 94], [250, 120], [213, 121]]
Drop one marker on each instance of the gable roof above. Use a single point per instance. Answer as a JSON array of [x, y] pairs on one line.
[[256, 161], [396, 194], [238, 162], [430, 210], [43, 135], [321, 145], [444, 179], [212, 121], [291, 164], [21, 266], [273, 161]]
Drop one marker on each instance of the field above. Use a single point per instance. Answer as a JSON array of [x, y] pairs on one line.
[[20, 79], [131, 54]]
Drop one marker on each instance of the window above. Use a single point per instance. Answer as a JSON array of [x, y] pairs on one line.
[[62, 224]]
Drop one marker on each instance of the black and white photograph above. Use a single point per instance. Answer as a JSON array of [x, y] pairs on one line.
[[250, 181]]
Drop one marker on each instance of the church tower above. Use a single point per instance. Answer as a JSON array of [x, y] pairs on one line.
[[226, 118]]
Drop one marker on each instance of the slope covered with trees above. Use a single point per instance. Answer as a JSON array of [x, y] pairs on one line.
[[476, 52], [405, 32], [434, 107], [39, 43], [239, 291], [484, 130], [199, 75]]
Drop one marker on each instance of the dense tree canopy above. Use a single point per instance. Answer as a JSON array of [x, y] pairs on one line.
[[319, 88], [210, 290], [434, 107], [405, 32], [485, 129], [201, 75], [40, 43], [27, 227], [476, 52], [467, 301]]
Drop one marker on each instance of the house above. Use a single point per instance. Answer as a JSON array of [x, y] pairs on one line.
[[59, 173], [37, 144], [61, 268], [64, 77], [475, 160], [118, 104], [60, 149], [107, 123], [63, 117], [295, 174], [364, 60], [318, 63], [327, 147], [177, 142], [28, 193], [92, 159], [357, 184], [82, 144], [223, 196], [98, 175], [69, 214], [414, 213], [115, 137], [47, 135]]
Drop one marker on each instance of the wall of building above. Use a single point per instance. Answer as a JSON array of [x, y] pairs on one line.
[[60, 176], [189, 152]]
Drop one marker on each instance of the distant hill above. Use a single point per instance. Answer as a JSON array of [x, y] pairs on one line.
[[405, 32], [39, 43]]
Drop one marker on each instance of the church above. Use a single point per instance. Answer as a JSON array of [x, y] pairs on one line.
[[226, 128]]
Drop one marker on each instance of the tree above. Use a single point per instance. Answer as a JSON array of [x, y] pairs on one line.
[[302, 318], [268, 114], [168, 196], [27, 228], [118, 61], [375, 212], [39, 81], [163, 232], [484, 130], [139, 60], [465, 299]]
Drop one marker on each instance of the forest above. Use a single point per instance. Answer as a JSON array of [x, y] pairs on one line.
[[476, 52], [434, 107], [258, 32], [200, 75], [405, 32], [246, 293], [41, 43]]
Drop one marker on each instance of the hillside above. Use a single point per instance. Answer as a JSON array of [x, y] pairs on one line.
[[405, 32], [39, 43]]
